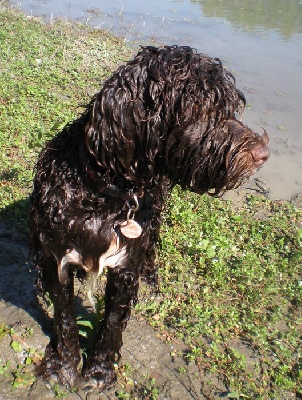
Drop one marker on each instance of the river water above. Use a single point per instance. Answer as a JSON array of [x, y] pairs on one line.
[[260, 41]]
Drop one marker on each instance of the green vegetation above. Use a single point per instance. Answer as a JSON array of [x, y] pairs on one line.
[[46, 72], [229, 280], [22, 375], [231, 291]]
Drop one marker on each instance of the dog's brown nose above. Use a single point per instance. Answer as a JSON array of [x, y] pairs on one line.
[[260, 154]]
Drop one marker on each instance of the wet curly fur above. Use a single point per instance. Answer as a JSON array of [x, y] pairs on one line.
[[166, 117]]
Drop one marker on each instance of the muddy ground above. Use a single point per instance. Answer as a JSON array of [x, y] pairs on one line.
[[143, 348]]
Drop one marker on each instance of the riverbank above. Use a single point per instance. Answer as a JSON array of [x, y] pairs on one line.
[[225, 319]]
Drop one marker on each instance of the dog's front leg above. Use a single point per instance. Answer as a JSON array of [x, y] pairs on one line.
[[62, 354], [121, 294]]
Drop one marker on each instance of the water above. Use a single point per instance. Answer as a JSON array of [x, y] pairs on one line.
[[259, 41]]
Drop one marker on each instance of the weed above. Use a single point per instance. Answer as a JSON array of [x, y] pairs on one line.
[[22, 374], [149, 390], [22, 377], [4, 367], [89, 326], [59, 392], [4, 331]]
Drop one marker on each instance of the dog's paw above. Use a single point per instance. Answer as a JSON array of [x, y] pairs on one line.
[[54, 369], [100, 375]]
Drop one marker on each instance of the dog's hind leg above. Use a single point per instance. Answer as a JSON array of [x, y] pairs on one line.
[[62, 354], [149, 267], [120, 295], [156, 204]]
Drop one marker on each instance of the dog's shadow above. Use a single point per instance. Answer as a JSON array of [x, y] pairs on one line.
[[18, 290]]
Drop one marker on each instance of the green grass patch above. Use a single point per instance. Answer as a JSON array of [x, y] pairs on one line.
[[46, 73], [230, 281], [230, 284]]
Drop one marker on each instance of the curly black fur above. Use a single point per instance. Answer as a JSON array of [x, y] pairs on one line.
[[166, 117]]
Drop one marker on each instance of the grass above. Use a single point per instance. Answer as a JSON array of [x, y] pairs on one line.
[[229, 280], [231, 290], [46, 73]]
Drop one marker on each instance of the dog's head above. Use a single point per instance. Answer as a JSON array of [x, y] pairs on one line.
[[171, 111], [218, 160]]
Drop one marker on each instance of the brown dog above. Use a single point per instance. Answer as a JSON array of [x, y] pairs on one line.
[[166, 117]]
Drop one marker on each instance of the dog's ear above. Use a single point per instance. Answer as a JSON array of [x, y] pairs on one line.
[[120, 134], [91, 128], [92, 139]]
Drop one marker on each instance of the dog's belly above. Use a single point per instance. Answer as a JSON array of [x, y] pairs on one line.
[[112, 257], [115, 255], [81, 238]]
